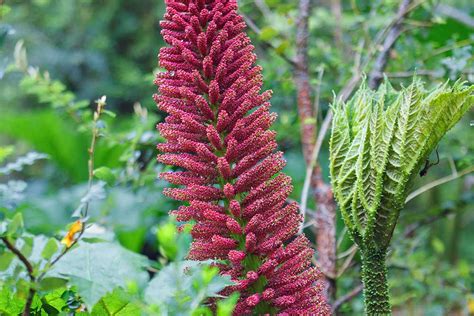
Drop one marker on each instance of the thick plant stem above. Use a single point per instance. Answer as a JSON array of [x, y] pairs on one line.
[[374, 277]]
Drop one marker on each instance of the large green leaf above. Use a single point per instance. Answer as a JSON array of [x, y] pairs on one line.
[[99, 268], [180, 287], [10, 305], [53, 134], [47, 132], [116, 303]]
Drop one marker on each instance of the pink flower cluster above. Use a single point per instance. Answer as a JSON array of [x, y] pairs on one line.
[[217, 133]]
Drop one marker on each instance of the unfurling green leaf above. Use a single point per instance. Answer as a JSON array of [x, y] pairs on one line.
[[380, 140]]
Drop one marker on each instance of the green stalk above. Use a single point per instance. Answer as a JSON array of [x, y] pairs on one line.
[[374, 277]]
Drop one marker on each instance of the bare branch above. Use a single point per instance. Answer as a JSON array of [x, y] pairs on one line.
[[439, 182], [325, 216], [346, 298], [90, 168], [336, 10], [305, 110], [411, 229], [376, 75], [313, 160], [317, 96], [348, 261], [347, 252], [29, 268], [20, 256], [265, 44], [262, 6], [455, 14]]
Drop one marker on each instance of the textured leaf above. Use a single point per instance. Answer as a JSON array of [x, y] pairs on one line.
[[380, 139], [97, 269], [116, 303]]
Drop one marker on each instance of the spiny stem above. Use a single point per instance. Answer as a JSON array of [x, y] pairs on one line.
[[374, 277]]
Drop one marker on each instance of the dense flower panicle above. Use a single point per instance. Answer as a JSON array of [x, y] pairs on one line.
[[217, 133]]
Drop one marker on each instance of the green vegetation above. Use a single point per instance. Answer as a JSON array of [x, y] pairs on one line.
[[58, 57]]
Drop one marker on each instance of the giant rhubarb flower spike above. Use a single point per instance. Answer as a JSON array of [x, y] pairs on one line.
[[217, 131]]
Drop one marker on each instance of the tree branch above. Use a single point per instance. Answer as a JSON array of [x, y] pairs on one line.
[[325, 215], [455, 14], [346, 298], [439, 182], [265, 44], [305, 110], [336, 10], [376, 75], [411, 229], [29, 269], [313, 160]]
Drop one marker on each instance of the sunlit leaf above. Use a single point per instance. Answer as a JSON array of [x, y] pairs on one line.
[[105, 174], [50, 249], [182, 286], [48, 284], [116, 303], [97, 269], [10, 304]]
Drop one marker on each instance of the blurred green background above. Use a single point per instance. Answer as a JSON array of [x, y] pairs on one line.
[[57, 57]]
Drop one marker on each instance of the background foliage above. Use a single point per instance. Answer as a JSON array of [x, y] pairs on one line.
[[57, 57]]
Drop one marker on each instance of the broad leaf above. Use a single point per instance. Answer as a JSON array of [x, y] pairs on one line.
[[116, 303], [97, 269], [9, 303], [181, 287]]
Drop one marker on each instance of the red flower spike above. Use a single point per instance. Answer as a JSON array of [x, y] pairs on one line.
[[236, 256], [234, 226], [224, 168], [234, 208], [252, 276], [214, 138], [284, 301], [253, 300], [268, 294], [229, 193], [217, 133]]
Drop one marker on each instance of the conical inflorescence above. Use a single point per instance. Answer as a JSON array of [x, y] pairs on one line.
[[230, 178]]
